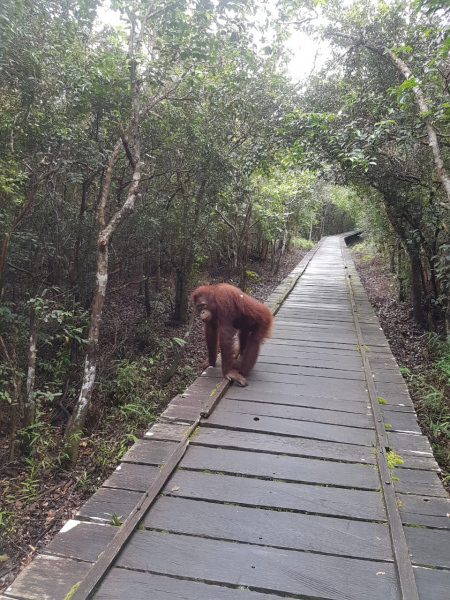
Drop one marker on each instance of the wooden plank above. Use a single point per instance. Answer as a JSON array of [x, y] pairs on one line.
[[270, 569], [403, 442], [48, 578], [109, 501], [429, 547], [304, 385], [258, 464], [312, 343], [228, 438], [128, 476], [414, 481], [297, 413], [305, 429], [319, 500], [271, 528], [313, 349], [81, 540], [312, 371], [149, 452], [432, 584], [123, 584], [401, 421], [172, 432], [424, 463], [425, 511], [347, 364], [250, 394]]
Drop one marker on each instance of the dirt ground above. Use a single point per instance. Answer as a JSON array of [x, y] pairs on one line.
[[35, 501]]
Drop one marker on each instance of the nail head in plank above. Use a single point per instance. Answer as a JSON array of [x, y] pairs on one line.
[[300, 413], [425, 510], [305, 429]]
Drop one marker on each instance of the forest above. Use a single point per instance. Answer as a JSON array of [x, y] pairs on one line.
[[170, 146]]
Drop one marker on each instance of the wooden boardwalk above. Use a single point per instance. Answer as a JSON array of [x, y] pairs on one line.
[[285, 488]]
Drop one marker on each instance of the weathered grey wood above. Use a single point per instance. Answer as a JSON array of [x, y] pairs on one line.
[[109, 501], [425, 511], [312, 343], [314, 499], [306, 429], [128, 476], [271, 528], [313, 349], [48, 578], [310, 371], [313, 386], [429, 547], [149, 452], [246, 440], [424, 483], [297, 413], [416, 444], [289, 468], [81, 540], [263, 568], [432, 584], [345, 364], [293, 399], [401, 421], [172, 432], [123, 584]]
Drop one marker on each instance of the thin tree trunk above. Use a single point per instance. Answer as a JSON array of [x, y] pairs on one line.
[[416, 284], [158, 268], [400, 279], [78, 418], [30, 403]]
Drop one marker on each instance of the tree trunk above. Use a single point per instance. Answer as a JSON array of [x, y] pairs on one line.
[[416, 284], [30, 403], [181, 293], [158, 268], [147, 295], [401, 283], [78, 418]]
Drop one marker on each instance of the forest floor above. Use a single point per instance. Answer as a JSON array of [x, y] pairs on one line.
[[37, 495], [423, 358]]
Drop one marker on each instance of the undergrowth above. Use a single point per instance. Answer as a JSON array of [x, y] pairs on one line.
[[431, 388]]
